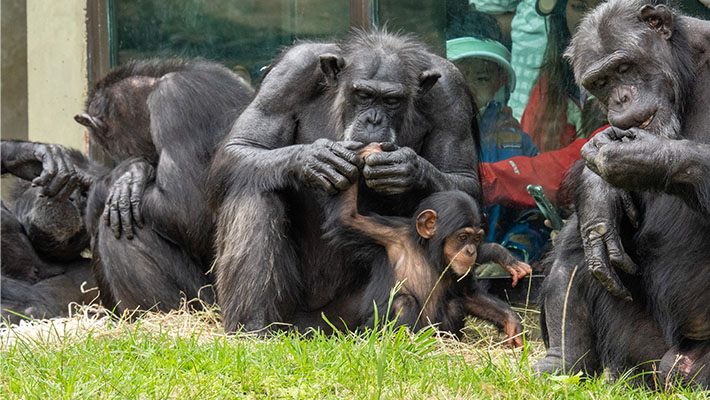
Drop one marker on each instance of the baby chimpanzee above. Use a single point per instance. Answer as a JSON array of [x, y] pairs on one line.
[[432, 254]]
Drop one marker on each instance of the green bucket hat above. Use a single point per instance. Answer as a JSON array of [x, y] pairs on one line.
[[491, 50]]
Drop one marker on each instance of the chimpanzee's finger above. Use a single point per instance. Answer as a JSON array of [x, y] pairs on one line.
[[137, 190], [345, 161], [384, 171], [514, 276], [68, 189], [124, 209], [63, 172], [107, 209], [383, 158], [49, 167], [388, 186], [389, 146], [352, 145], [338, 171], [85, 180], [115, 218], [617, 255], [597, 261], [630, 208], [316, 177], [610, 281]]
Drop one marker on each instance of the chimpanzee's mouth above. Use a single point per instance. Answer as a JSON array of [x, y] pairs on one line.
[[647, 122]]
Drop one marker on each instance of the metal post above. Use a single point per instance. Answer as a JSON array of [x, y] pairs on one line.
[[98, 58], [363, 14]]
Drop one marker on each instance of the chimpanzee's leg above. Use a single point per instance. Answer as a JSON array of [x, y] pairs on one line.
[[571, 348], [147, 272], [688, 363], [257, 269]]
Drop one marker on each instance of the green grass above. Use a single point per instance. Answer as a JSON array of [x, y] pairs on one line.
[[186, 356]]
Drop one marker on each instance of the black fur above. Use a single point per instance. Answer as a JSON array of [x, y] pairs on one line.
[[162, 121], [664, 168], [272, 177], [42, 240]]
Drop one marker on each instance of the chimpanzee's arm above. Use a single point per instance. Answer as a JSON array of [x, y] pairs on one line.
[[261, 152], [482, 305], [54, 167], [383, 230], [600, 209], [494, 252], [636, 160]]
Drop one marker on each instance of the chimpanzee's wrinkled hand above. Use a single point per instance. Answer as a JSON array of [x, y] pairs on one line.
[[46, 165], [334, 166], [600, 209], [633, 159], [395, 170], [123, 204]]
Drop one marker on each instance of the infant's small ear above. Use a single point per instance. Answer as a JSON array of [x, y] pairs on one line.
[[426, 223]]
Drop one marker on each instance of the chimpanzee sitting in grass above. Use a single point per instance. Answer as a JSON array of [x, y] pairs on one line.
[[432, 255]]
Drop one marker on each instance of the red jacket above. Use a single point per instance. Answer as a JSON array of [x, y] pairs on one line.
[[505, 182]]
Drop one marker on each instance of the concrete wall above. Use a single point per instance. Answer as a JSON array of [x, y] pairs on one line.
[[56, 71], [43, 79]]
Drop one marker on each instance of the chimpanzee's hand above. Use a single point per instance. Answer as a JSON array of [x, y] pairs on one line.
[[331, 165], [123, 204], [513, 330], [395, 170], [600, 209], [46, 165], [517, 270], [633, 159]]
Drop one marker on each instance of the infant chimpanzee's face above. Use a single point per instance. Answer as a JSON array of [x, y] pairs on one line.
[[461, 249], [483, 77]]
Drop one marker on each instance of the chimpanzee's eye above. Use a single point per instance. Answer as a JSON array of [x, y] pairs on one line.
[[362, 96], [392, 101], [600, 83], [462, 237], [623, 68]]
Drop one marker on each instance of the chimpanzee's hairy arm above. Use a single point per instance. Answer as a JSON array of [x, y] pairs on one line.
[[262, 152], [494, 252], [57, 169], [450, 148], [636, 160]]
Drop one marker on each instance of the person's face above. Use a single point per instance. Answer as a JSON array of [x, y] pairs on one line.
[[575, 10], [483, 77]]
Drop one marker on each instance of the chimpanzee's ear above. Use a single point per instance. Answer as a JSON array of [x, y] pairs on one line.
[[659, 18], [427, 79], [331, 65], [426, 223], [90, 122]]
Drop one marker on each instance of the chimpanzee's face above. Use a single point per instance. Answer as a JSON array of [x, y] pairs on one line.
[[461, 249], [635, 76], [377, 98]]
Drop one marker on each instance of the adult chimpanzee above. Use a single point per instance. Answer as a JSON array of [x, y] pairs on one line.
[[293, 147], [432, 255], [161, 120], [43, 231], [643, 201]]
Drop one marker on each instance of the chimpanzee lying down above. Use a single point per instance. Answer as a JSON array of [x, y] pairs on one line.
[[43, 232], [638, 252]]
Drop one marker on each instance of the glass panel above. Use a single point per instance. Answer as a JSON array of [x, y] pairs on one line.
[[425, 18], [532, 116], [243, 34]]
